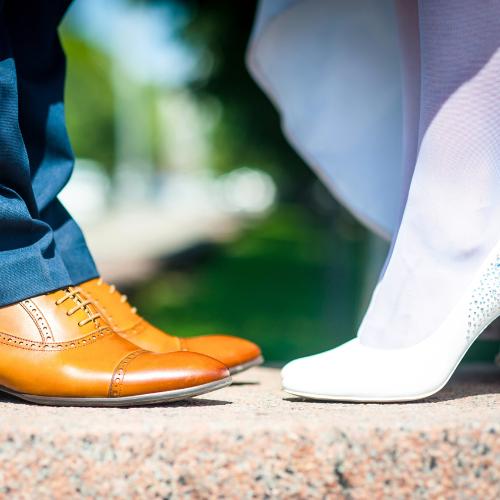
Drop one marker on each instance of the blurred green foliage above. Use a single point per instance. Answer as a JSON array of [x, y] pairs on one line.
[[249, 129], [293, 283], [90, 101], [286, 284]]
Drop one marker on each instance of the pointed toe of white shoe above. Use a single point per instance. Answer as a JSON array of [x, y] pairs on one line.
[[297, 365], [356, 372]]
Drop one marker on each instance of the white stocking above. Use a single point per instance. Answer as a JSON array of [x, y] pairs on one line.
[[452, 216]]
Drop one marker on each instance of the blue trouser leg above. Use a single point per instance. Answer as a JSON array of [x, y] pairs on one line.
[[41, 71], [41, 247]]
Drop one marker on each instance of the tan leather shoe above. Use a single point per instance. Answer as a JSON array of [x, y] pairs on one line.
[[57, 349], [236, 353]]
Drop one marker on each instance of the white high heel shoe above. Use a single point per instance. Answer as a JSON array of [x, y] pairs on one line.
[[356, 372]]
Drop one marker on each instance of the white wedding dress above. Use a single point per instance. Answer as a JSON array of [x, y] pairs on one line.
[[397, 107]]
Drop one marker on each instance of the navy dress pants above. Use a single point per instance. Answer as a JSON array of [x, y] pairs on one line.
[[41, 247]]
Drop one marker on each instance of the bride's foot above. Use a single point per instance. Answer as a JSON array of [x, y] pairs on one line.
[[357, 372], [441, 286]]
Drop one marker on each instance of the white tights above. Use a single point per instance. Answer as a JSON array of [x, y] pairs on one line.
[[451, 219]]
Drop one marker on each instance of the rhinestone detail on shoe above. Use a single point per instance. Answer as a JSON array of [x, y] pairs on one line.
[[484, 306]]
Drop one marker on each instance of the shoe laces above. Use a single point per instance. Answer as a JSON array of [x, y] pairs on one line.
[[80, 305], [112, 289]]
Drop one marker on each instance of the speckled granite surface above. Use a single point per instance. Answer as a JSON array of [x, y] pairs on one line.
[[251, 440]]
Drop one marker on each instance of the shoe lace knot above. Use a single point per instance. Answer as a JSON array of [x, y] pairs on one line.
[[80, 305]]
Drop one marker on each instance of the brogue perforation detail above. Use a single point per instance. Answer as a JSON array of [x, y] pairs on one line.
[[21, 343], [115, 388], [39, 319]]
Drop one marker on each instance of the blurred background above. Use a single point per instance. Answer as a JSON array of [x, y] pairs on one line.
[[191, 199]]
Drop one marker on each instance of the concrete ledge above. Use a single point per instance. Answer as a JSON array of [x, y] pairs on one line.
[[253, 440]]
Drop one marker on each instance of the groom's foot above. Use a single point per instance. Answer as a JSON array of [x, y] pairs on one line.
[[236, 353], [57, 349]]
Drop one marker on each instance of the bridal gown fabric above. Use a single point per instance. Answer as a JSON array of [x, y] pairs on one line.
[[333, 69]]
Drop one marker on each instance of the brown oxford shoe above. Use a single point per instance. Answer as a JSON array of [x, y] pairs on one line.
[[57, 349], [236, 353]]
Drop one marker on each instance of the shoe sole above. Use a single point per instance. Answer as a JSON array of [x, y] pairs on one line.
[[382, 399], [245, 366], [125, 401]]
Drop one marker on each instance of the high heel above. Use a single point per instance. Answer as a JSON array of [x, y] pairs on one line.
[[356, 372]]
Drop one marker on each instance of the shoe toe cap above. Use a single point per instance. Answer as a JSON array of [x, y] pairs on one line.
[[148, 373], [232, 351]]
